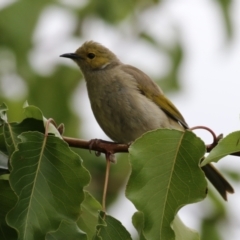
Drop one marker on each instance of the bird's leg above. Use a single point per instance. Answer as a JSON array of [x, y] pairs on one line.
[[92, 142], [108, 153]]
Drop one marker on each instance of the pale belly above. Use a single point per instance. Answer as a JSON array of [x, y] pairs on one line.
[[125, 116]]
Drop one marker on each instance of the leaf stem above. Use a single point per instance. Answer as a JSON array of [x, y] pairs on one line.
[[108, 164]]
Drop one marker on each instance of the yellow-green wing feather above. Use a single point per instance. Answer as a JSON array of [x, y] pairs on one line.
[[152, 91]]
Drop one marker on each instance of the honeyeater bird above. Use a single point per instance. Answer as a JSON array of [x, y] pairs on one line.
[[127, 103]]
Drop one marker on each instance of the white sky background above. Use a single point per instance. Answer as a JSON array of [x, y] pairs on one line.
[[209, 74]]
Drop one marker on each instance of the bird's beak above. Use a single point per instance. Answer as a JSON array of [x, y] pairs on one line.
[[70, 55]]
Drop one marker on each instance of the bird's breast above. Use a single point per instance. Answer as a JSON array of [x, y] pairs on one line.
[[121, 110]]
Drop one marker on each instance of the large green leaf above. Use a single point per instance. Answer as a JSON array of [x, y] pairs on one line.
[[31, 111], [165, 177], [67, 230], [48, 179], [228, 145], [11, 132], [110, 228], [89, 215], [181, 231], [138, 223], [7, 200]]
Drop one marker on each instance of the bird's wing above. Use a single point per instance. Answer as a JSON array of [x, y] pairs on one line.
[[151, 90]]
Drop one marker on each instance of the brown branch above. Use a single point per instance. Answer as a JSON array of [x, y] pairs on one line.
[[209, 147], [106, 147], [97, 145]]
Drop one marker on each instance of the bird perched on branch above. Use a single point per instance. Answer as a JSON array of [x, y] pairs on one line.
[[127, 103]]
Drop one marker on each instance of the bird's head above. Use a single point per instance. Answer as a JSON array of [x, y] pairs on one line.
[[92, 56]]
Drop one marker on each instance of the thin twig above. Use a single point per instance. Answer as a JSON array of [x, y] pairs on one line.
[[108, 164], [215, 138], [50, 120]]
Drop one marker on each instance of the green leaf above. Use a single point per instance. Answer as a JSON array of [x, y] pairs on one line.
[[110, 228], [67, 230], [48, 179], [34, 112], [182, 232], [11, 132], [138, 223], [7, 200], [165, 176], [89, 215], [228, 145]]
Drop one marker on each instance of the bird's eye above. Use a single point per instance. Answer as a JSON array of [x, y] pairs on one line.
[[91, 55]]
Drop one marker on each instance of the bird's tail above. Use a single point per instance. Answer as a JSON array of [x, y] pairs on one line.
[[217, 180]]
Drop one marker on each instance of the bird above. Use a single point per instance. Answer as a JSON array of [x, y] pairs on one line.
[[126, 102]]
